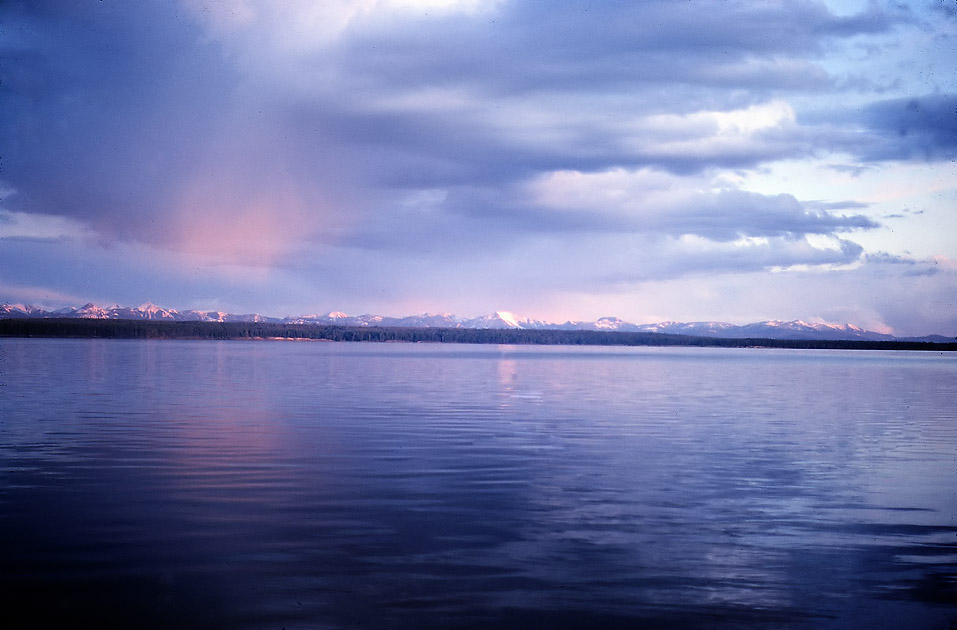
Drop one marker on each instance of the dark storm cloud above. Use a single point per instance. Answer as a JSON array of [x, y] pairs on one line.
[[107, 105], [922, 127], [916, 128]]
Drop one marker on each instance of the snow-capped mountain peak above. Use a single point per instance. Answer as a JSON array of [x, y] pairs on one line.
[[504, 319], [772, 329], [508, 318]]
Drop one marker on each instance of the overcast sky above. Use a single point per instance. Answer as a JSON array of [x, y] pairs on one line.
[[706, 160]]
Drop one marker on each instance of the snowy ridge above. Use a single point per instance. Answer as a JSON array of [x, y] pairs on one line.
[[773, 329], [146, 311]]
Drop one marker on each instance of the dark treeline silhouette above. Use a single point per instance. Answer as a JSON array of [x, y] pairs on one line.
[[152, 329]]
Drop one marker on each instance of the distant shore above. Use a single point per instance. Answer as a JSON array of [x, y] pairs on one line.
[[153, 329]]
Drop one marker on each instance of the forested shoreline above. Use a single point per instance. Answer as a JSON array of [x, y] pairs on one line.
[[151, 329]]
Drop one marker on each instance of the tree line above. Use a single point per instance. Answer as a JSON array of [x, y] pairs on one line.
[[152, 329]]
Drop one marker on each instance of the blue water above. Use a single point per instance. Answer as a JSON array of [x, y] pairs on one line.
[[271, 484]]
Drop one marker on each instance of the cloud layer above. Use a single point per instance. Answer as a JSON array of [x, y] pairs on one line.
[[467, 155]]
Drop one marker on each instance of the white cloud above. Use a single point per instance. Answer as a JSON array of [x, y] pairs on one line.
[[651, 201], [41, 226]]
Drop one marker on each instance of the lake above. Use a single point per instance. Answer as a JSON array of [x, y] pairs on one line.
[[273, 484]]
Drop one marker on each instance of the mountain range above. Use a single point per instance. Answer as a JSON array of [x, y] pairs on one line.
[[773, 329]]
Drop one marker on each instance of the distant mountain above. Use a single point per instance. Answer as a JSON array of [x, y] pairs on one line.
[[146, 311], [499, 320], [768, 330]]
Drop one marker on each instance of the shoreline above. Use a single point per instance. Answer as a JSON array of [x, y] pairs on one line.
[[258, 331]]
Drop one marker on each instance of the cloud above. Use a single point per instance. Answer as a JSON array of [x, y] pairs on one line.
[[910, 266], [115, 119], [650, 201], [914, 128], [23, 225], [920, 127], [441, 151], [108, 112], [574, 45], [875, 295]]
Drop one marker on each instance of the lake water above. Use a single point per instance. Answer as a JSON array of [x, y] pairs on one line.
[[330, 485]]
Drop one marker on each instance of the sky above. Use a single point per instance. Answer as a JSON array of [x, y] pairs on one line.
[[713, 160]]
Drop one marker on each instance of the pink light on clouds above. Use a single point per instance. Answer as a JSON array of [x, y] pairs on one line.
[[233, 220]]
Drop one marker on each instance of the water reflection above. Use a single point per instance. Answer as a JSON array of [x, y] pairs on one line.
[[194, 484]]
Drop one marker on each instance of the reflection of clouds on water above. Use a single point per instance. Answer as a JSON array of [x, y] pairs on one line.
[[430, 485]]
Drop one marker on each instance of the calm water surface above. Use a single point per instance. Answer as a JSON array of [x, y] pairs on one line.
[[320, 485]]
